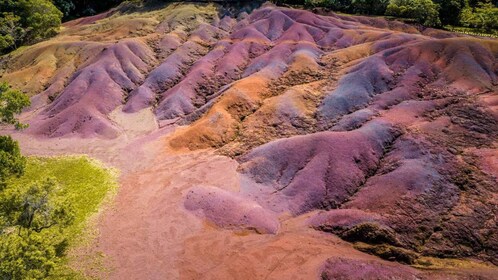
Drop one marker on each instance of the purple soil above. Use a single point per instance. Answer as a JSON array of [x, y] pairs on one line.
[[95, 91], [322, 170], [228, 211]]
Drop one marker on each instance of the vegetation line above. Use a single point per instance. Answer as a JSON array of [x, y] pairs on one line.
[[45, 203]]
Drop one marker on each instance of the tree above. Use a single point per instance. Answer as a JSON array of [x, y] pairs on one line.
[[33, 256], [65, 6], [78, 8], [27, 21], [40, 17], [450, 10], [11, 103], [485, 17], [336, 5], [369, 7], [10, 31], [32, 218], [11, 161], [32, 225], [35, 208], [423, 11]]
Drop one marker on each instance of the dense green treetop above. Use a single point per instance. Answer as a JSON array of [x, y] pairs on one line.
[[11, 103], [26, 22], [424, 11]]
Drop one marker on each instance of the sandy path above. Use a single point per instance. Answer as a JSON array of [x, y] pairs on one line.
[[147, 234], [143, 234]]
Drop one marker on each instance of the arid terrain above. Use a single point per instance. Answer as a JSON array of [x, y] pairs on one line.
[[264, 142]]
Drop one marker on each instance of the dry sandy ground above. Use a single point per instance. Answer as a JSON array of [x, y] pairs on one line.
[[147, 234]]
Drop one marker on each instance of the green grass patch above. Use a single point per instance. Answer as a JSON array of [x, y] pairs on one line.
[[473, 31], [85, 184]]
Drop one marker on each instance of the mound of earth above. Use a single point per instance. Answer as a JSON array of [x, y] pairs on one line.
[[371, 130]]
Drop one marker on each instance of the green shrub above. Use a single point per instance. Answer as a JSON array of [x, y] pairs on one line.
[[423, 11], [369, 7], [450, 10], [27, 21], [11, 161], [12, 102], [41, 218], [484, 17]]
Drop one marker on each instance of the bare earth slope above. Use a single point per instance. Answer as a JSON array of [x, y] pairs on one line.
[[275, 143]]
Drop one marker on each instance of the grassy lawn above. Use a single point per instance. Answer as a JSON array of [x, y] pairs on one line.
[[87, 185]]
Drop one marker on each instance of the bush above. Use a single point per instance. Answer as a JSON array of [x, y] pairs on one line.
[[450, 10], [11, 161], [28, 257], [369, 7], [484, 17], [34, 220], [11, 103], [27, 21], [40, 17], [45, 211], [78, 8], [423, 11]]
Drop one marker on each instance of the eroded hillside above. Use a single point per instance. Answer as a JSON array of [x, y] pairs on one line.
[[319, 125]]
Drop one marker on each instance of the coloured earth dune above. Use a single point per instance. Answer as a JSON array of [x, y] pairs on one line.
[[264, 142]]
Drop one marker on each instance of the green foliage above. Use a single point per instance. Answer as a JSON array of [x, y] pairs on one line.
[[33, 218], [450, 10], [41, 18], [27, 21], [79, 8], [11, 161], [42, 217], [10, 31], [82, 181], [423, 11], [11, 103], [65, 6], [36, 207], [483, 17], [478, 14], [369, 7], [28, 257]]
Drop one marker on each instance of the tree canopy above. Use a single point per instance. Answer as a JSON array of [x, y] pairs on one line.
[[484, 16], [27, 21], [479, 14], [78, 8], [29, 245], [423, 11], [11, 103]]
